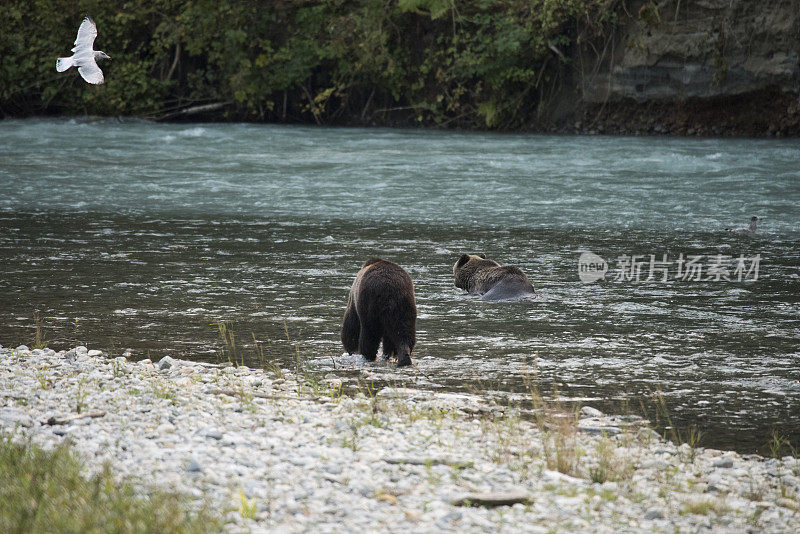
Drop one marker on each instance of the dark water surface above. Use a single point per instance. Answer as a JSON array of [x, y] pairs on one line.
[[131, 234]]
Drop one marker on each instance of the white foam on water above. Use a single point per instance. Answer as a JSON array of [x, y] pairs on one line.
[[193, 132]]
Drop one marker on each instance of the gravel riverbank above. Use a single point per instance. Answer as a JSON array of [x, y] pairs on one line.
[[274, 453]]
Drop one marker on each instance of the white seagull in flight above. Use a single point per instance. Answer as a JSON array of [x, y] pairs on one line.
[[84, 54]]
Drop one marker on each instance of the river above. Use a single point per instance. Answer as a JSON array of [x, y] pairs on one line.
[[133, 234]]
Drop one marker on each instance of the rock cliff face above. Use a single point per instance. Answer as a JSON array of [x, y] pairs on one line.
[[728, 66]]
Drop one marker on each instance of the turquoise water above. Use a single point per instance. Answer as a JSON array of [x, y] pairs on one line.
[[141, 235]]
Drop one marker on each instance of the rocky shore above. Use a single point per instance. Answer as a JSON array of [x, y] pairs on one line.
[[275, 452]]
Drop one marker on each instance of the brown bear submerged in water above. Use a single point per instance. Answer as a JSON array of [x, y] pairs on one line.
[[381, 307], [490, 280]]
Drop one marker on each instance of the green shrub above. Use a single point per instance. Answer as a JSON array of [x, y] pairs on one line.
[[46, 491], [481, 63]]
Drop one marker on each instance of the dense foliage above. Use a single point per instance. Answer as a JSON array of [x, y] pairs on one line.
[[479, 63]]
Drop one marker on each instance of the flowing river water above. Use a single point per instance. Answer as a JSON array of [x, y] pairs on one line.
[[128, 234]]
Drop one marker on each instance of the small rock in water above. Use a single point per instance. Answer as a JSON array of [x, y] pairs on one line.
[[588, 411]]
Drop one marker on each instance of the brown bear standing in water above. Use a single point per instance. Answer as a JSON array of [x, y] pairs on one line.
[[381, 307], [490, 280]]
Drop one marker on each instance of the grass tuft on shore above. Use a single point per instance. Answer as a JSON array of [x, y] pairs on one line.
[[46, 491]]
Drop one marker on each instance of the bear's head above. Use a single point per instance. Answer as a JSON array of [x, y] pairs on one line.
[[466, 267]]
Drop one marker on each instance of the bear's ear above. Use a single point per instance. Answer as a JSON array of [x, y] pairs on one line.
[[482, 255], [462, 260]]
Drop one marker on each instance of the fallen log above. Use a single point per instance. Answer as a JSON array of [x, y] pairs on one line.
[[493, 499], [193, 110], [256, 394], [74, 417]]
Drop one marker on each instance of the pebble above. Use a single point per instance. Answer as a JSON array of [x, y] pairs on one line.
[[791, 504], [334, 469], [654, 513], [588, 411], [194, 466], [724, 462], [213, 433]]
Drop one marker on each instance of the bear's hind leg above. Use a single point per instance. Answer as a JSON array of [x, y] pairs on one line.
[[389, 348], [350, 330], [368, 341]]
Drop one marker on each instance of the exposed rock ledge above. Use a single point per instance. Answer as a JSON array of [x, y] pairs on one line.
[[705, 67], [399, 461]]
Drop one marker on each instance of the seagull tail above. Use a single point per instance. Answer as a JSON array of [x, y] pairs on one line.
[[63, 63]]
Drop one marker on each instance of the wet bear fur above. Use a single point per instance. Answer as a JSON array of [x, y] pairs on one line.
[[381, 307], [490, 280]]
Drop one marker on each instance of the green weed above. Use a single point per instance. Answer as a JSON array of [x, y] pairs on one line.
[[46, 491], [80, 395], [247, 507], [610, 466], [39, 339]]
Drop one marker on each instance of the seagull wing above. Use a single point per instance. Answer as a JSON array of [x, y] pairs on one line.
[[91, 72], [63, 63], [86, 35]]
